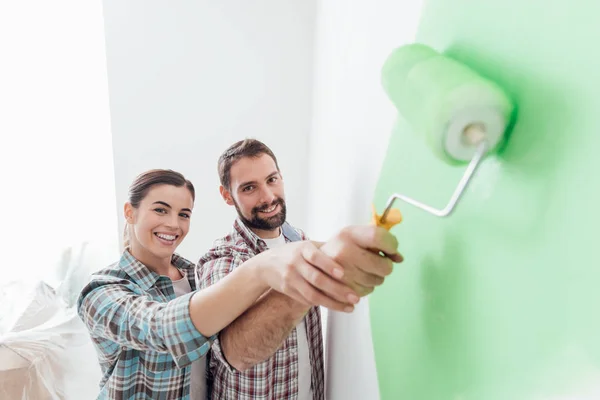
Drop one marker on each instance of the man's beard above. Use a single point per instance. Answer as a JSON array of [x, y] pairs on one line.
[[265, 224]]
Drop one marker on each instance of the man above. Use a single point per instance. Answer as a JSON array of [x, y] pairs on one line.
[[275, 349]]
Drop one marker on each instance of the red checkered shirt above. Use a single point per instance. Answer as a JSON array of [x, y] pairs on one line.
[[277, 377]]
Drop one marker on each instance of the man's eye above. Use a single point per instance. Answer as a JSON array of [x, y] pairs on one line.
[[273, 179], [247, 188]]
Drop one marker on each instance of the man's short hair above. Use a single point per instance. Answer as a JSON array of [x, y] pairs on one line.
[[244, 148]]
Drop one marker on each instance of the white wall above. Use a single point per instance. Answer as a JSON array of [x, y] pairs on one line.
[[55, 147], [352, 122], [189, 78], [174, 67]]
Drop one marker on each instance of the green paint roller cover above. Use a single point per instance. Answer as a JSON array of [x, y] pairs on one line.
[[446, 101]]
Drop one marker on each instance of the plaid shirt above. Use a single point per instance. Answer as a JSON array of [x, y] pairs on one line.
[[143, 335], [277, 377]]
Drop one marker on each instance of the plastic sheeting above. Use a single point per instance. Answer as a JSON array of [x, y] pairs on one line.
[[45, 350]]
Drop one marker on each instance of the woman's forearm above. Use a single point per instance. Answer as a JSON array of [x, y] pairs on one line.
[[215, 307]]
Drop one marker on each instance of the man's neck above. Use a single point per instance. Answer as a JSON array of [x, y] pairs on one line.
[[267, 234]]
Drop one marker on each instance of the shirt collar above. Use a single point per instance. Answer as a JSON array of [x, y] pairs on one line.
[[144, 276], [250, 238], [256, 243]]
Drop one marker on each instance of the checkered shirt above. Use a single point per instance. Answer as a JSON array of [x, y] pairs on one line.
[[277, 377], [143, 335]]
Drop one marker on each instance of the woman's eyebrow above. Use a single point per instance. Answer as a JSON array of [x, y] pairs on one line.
[[167, 205]]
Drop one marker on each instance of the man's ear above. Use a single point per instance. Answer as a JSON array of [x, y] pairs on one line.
[[128, 213], [226, 195]]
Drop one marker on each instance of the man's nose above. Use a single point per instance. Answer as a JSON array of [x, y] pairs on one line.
[[267, 195]]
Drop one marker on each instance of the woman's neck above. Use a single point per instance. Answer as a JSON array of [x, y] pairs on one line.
[[161, 266]]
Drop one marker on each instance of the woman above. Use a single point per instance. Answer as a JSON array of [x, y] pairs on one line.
[[150, 326]]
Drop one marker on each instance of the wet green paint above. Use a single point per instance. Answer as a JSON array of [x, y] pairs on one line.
[[501, 299]]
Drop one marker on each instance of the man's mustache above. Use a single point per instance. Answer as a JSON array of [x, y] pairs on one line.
[[267, 206]]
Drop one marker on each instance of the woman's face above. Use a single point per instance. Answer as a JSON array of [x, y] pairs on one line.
[[161, 221]]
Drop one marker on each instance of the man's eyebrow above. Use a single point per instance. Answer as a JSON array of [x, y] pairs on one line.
[[248, 183], [272, 174]]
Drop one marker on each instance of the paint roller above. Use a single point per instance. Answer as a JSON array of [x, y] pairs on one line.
[[462, 115]]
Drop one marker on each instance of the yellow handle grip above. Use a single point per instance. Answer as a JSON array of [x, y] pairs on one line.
[[393, 217]]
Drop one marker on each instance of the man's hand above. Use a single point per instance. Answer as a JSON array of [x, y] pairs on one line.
[[303, 272], [357, 249]]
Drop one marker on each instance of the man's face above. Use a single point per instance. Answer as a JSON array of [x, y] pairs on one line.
[[256, 191]]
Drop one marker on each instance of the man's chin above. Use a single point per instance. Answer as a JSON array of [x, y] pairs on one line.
[[270, 223]]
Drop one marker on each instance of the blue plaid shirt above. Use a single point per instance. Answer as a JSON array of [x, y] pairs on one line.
[[143, 335]]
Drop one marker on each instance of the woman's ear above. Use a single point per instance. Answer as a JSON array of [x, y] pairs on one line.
[[128, 213]]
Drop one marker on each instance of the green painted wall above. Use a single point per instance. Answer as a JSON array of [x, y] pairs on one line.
[[502, 299]]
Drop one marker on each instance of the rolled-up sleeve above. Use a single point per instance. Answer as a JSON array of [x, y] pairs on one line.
[[111, 309], [212, 268]]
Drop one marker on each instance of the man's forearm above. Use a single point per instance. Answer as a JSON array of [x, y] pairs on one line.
[[257, 334]]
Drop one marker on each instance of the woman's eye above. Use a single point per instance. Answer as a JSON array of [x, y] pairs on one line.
[[183, 215], [160, 210]]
